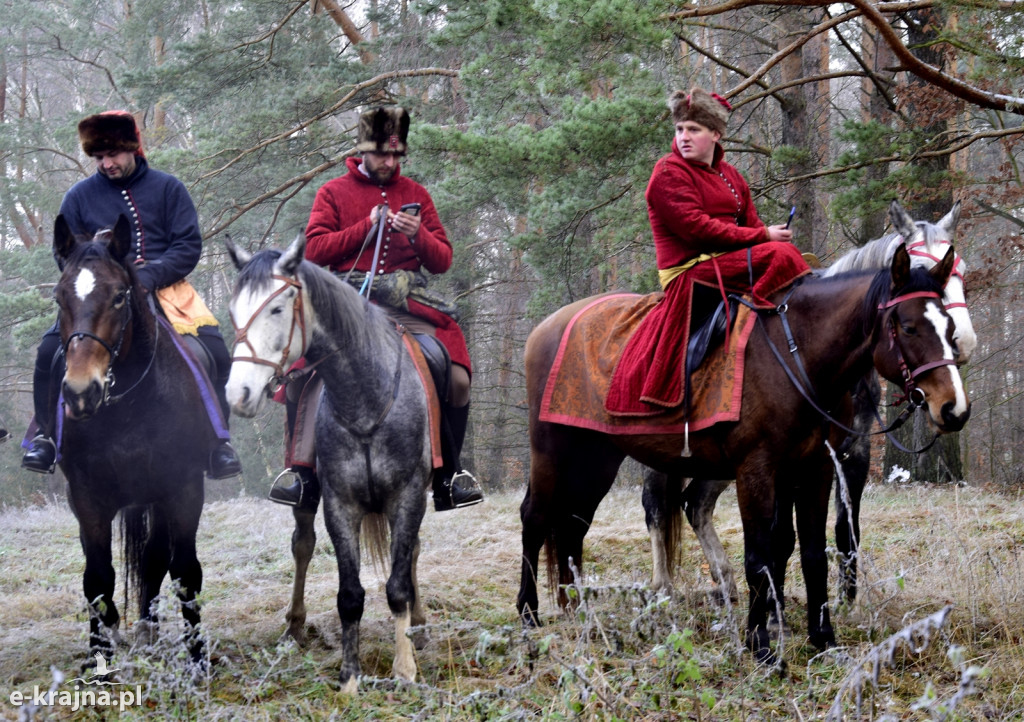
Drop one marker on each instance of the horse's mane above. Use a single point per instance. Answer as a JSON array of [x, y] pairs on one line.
[[879, 252], [345, 316]]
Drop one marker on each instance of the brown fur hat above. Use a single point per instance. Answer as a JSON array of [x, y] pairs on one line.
[[383, 130], [709, 109], [113, 130]]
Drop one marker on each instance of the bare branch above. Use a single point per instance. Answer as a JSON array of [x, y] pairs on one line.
[[353, 91], [875, 14]]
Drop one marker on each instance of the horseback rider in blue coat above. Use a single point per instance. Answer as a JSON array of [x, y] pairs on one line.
[[167, 245]]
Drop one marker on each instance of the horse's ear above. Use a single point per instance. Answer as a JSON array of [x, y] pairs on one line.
[[120, 244], [902, 221], [63, 241], [289, 262], [900, 267], [948, 222], [944, 269], [239, 256]]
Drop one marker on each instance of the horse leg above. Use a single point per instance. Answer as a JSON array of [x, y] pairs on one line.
[[592, 474], [419, 617], [661, 514], [755, 490], [94, 532], [811, 519], [303, 545], [185, 569], [783, 544], [853, 477], [535, 514], [401, 588], [343, 527], [849, 490], [155, 562], [698, 501]]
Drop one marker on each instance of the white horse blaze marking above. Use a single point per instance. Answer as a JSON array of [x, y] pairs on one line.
[[84, 284], [940, 321]]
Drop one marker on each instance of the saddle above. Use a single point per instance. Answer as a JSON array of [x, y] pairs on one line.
[[438, 361], [706, 333]]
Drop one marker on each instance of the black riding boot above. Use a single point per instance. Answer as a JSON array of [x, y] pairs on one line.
[[453, 485], [41, 455], [302, 492]]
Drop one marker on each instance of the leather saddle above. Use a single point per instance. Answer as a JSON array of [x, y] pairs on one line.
[[439, 362], [706, 332]]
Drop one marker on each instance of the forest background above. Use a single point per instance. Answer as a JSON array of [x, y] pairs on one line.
[[535, 126]]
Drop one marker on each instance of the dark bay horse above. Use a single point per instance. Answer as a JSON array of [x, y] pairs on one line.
[[842, 325], [372, 428], [139, 446], [665, 499]]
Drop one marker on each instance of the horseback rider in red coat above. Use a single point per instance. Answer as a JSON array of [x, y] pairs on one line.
[[341, 235], [707, 232]]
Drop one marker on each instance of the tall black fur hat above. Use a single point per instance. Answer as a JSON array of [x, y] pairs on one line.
[[383, 130], [113, 130], [709, 109]]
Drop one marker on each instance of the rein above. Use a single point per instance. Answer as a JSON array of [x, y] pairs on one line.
[[113, 352], [913, 394]]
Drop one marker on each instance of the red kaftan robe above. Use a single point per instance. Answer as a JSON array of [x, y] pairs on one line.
[[340, 220], [695, 209]]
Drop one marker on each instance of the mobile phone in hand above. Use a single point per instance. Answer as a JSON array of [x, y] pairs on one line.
[[792, 212], [413, 209]]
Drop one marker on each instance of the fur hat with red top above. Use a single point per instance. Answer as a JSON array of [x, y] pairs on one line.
[[110, 131], [709, 109], [383, 130]]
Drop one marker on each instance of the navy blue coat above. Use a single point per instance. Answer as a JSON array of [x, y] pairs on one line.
[[166, 240]]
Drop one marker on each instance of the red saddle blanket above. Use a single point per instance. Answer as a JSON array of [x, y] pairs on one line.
[[591, 345]]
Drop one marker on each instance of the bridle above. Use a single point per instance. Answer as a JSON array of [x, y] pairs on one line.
[[912, 249], [114, 351], [298, 320], [914, 396]]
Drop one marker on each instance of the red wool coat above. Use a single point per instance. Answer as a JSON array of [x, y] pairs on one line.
[[695, 208], [340, 220]]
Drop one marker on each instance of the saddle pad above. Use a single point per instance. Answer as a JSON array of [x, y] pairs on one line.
[[589, 351], [433, 404]]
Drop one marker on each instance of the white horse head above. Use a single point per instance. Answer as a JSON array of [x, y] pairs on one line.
[[928, 243], [271, 327]]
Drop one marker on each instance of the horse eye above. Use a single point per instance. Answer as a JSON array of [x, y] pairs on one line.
[[276, 310], [908, 328], [119, 299]]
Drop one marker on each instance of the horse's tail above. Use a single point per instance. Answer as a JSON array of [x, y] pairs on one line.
[[135, 521], [673, 525], [375, 532], [551, 562]]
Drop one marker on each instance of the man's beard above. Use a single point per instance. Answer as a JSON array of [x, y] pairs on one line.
[[380, 175]]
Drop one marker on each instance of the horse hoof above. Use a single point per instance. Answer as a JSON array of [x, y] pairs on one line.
[[823, 640], [530, 621], [350, 687]]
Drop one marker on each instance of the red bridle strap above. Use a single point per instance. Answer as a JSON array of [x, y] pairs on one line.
[[912, 250], [906, 297]]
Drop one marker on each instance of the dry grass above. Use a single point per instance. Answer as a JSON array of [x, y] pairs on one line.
[[626, 655]]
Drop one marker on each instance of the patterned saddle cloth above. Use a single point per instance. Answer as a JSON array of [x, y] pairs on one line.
[[591, 345]]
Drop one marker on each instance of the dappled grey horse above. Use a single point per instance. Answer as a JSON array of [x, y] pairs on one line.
[[372, 434], [664, 499]]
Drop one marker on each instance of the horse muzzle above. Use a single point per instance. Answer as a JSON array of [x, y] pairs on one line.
[[81, 401]]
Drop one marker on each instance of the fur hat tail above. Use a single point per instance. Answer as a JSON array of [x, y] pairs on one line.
[[110, 131], [383, 130], [709, 109]]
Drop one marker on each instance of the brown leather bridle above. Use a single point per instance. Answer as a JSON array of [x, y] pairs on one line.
[[298, 319]]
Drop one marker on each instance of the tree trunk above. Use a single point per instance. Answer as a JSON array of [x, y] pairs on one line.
[[942, 462]]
